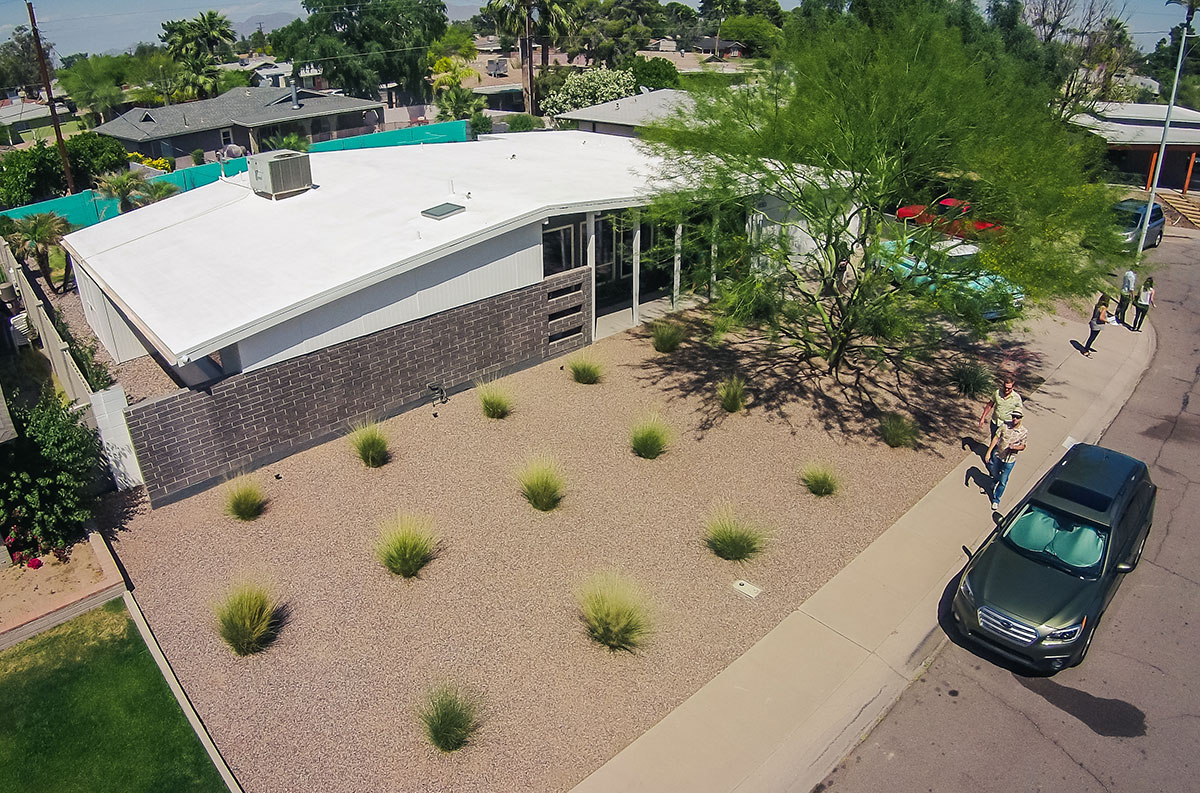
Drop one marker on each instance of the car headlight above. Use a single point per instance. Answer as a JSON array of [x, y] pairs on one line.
[[964, 588], [1065, 635]]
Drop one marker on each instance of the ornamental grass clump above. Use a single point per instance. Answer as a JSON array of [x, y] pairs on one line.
[[898, 430], [732, 393], [730, 538], [244, 498], [406, 544], [370, 444], [614, 612], [585, 370], [496, 402], [666, 336], [820, 480], [971, 379], [650, 437], [450, 716], [248, 619], [542, 484]]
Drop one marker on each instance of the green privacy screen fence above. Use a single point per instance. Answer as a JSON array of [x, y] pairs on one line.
[[89, 207]]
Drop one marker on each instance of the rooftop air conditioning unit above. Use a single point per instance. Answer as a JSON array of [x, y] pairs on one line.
[[277, 174]]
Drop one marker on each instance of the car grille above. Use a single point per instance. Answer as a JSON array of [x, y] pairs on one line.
[[1001, 624]]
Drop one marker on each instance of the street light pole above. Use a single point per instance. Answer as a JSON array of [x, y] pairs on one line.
[[41, 56], [1162, 146]]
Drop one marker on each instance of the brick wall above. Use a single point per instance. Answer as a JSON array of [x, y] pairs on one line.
[[191, 440]]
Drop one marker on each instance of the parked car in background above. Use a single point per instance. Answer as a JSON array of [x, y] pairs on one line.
[[955, 257], [1130, 214], [1036, 589], [949, 216]]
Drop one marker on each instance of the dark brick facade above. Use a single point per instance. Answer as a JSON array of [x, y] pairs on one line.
[[193, 439]]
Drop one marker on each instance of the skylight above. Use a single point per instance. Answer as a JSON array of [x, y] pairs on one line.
[[443, 211]]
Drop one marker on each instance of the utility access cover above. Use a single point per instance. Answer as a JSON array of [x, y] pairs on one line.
[[747, 589]]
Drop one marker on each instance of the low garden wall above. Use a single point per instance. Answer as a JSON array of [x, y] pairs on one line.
[[190, 440]]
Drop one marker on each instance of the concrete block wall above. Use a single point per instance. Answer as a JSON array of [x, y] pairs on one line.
[[108, 408], [191, 440]]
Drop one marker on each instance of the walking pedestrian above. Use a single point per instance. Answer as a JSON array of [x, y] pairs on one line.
[[1002, 454], [1128, 282], [1097, 322], [1141, 306], [1004, 401]]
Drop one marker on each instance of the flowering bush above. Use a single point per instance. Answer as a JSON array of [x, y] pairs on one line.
[[590, 87], [160, 163]]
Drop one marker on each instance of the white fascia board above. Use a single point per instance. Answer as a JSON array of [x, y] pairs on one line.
[[358, 284]]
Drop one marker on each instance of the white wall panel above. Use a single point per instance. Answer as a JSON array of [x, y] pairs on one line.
[[107, 322], [502, 264]]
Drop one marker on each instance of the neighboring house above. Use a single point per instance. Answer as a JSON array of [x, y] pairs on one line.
[[1133, 133], [22, 115], [404, 270], [666, 44], [242, 116], [727, 49], [507, 98], [487, 43], [625, 116], [279, 75]]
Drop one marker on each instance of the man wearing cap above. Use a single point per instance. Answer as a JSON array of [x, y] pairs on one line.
[[1002, 453], [1003, 402]]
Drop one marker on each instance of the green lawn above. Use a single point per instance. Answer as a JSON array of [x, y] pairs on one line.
[[84, 708]]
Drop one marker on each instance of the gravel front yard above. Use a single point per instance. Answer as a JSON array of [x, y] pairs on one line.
[[330, 706]]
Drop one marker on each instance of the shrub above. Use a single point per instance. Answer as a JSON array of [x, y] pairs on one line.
[[248, 619], [614, 612], [732, 393], [94, 371], [542, 484], [584, 369], [370, 444], [198, 157], [450, 717], [650, 437], [971, 379], [46, 475], [730, 538], [480, 124], [523, 122], [820, 480], [244, 498], [897, 430], [406, 544], [666, 335], [495, 401], [170, 161]]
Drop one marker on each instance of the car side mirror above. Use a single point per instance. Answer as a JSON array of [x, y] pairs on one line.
[[967, 551], [1124, 567]]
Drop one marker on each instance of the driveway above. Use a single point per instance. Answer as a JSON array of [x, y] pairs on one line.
[[1128, 719]]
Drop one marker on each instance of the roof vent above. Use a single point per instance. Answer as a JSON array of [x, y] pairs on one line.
[[443, 211], [278, 174]]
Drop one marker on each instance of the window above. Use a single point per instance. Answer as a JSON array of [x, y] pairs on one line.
[[226, 136], [606, 254], [1156, 214], [558, 250], [1057, 539]]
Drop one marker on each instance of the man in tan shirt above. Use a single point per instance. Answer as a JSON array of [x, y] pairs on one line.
[[1002, 454], [1004, 401]]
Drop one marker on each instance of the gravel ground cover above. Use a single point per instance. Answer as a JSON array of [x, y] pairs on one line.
[[332, 704]]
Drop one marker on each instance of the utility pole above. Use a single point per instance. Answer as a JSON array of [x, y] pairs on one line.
[[62, 147]]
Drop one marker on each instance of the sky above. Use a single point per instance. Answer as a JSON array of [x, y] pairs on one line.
[[108, 25]]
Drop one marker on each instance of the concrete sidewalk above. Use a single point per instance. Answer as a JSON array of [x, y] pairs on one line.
[[781, 716]]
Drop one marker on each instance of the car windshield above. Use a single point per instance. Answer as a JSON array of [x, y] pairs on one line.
[[1128, 218], [1058, 539]]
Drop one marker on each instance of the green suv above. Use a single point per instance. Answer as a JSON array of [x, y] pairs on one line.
[[1035, 590]]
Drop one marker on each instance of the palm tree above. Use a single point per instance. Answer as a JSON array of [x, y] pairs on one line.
[[155, 190], [212, 29], [180, 37], [457, 102], [125, 186], [1191, 5], [34, 236], [554, 23], [516, 15], [200, 73], [292, 140], [92, 83]]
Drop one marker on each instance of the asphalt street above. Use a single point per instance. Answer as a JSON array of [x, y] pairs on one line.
[[1128, 718]]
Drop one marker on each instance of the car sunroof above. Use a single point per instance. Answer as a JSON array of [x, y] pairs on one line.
[[1083, 496]]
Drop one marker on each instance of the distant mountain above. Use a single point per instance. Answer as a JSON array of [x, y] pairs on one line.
[[268, 21], [462, 10]]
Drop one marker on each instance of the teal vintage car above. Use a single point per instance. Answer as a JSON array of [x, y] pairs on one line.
[[956, 258]]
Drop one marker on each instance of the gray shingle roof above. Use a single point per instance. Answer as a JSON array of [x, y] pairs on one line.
[[635, 111], [244, 107]]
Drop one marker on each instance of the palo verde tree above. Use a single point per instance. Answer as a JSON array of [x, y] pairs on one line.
[[851, 122]]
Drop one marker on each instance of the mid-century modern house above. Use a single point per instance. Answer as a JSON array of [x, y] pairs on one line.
[[708, 45], [1133, 133], [241, 116], [626, 116], [317, 290]]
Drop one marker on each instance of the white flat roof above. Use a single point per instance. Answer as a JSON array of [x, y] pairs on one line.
[[217, 264]]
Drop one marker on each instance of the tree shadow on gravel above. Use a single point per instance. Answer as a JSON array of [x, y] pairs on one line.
[[116, 510], [779, 377]]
